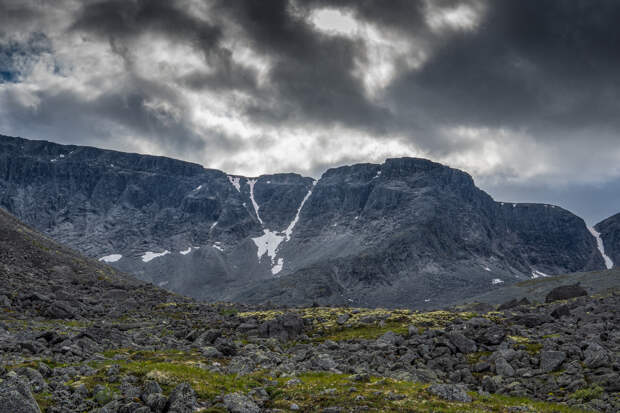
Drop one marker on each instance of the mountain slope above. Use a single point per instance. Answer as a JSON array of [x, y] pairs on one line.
[[408, 232], [40, 277]]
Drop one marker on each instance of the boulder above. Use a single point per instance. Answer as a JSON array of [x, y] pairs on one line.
[[240, 403], [451, 392], [462, 343], [182, 399], [595, 356], [15, 395], [551, 360], [565, 292]]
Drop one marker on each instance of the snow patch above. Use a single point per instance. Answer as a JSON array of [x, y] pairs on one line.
[[61, 155], [198, 188], [161, 284], [377, 175], [487, 269], [148, 256], [538, 274], [289, 231], [268, 243], [514, 205], [235, 181], [111, 258], [187, 251], [213, 225], [278, 266], [251, 183], [427, 300], [599, 243], [218, 247], [495, 281]]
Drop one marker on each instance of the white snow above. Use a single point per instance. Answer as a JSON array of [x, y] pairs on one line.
[[514, 205], [148, 256], [218, 247], [198, 188], [487, 269], [187, 251], [377, 175], [427, 300], [251, 183], [496, 281], [161, 284], [213, 225], [599, 243], [357, 217], [288, 231], [268, 243], [62, 156], [538, 274], [234, 180], [277, 267], [111, 258]]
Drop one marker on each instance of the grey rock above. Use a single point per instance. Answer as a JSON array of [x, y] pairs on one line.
[[596, 356], [551, 360], [240, 403], [15, 395], [182, 399], [565, 292], [503, 368], [451, 392], [462, 343], [343, 318]]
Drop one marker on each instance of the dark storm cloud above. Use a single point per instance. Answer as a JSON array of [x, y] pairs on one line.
[[543, 65], [312, 76], [544, 71]]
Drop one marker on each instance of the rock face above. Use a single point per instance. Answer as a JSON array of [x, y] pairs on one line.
[[409, 232]]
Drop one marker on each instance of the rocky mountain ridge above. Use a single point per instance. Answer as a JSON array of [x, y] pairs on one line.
[[409, 232]]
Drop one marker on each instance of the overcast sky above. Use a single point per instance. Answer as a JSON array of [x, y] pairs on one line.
[[522, 94]]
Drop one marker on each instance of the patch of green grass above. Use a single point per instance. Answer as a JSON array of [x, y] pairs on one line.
[[319, 390], [370, 332], [44, 400], [474, 358], [587, 394]]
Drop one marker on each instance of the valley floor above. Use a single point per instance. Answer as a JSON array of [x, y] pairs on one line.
[[184, 357]]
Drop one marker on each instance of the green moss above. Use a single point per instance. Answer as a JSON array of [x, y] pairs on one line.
[[44, 400], [587, 394], [474, 358]]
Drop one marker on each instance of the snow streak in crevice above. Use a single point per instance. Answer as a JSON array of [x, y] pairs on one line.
[[251, 183], [599, 243], [270, 241]]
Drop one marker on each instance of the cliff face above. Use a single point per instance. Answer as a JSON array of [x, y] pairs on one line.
[[407, 232]]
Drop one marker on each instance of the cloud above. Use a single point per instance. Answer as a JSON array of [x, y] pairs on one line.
[[520, 94]]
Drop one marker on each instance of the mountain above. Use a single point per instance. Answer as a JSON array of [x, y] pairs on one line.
[[408, 232]]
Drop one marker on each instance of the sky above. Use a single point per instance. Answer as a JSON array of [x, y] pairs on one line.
[[522, 94]]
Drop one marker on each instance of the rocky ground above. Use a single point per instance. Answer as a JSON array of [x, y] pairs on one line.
[[183, 356]]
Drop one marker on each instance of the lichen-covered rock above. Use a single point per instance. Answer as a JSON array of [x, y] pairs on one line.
[[15, 395], [182, 399], [451, 392], [240, 403]]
